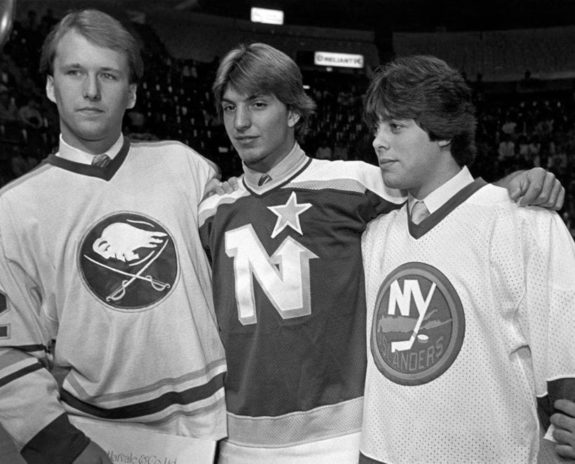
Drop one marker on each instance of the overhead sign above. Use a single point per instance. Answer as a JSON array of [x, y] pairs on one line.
[[342, 60], [267, 16]]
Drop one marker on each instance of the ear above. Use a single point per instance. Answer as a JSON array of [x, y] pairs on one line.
[[50, 88], [293, 118], [444, 143], [132, 91]]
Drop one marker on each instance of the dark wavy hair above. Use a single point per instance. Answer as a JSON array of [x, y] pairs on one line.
[[429, 91]]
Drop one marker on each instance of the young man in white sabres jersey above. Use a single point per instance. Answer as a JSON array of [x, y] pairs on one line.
[[470, 298], [102, 275], [287, 272]]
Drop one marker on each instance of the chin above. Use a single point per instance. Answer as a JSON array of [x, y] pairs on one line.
[[392, 181], [251, 159], [246, 155]]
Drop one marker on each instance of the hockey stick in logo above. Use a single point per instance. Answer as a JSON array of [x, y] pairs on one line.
[[422, 309], [120, 292]]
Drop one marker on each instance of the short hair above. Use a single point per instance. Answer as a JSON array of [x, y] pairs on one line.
[[429, 91], [261, 68], [100, 29]]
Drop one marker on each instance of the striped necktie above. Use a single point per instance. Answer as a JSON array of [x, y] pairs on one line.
[[101, 160], [419, 212], [264, 180]]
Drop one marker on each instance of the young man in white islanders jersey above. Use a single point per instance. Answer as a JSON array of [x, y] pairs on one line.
[[470, 298], [287, 272], [102, 274]]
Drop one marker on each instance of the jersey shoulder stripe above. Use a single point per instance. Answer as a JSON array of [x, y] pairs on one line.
[[210, 205], [353, 176]]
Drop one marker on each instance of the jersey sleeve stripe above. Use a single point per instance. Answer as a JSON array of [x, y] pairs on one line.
[[59, 442], [20, 373], [31, 348], [210, 205]]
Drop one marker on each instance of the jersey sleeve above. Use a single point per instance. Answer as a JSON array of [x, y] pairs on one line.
[[206, 172], [30, 409], [206, 217], [549, 306], [380, 198]]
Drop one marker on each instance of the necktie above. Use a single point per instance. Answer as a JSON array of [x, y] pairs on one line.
[[263, 179], [419, 212], [101, 160]]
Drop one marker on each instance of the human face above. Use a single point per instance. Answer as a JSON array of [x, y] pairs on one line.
[[91, 87], [260, 127], [409, 160]]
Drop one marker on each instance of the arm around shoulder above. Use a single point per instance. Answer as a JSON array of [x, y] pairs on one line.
[[534, 187]]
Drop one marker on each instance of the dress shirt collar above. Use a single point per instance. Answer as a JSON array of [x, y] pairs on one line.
[[292, 162], [70, 153], [443, 193]]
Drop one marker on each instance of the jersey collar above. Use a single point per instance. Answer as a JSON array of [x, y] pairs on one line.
[[419, 230], [291, 164], [72, 161]]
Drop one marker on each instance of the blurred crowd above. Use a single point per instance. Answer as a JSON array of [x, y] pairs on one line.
[[517, 130]]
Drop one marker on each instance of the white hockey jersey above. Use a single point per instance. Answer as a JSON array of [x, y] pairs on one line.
[[102, 276], [470, 322], [290, 302]]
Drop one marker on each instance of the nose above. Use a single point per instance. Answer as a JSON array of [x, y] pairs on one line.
[[380, 142], [91, 87], [241, 118]]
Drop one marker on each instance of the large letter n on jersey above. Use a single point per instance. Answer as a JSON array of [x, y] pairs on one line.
[[284, 276]]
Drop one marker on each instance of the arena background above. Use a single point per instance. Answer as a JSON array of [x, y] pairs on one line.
[[518, 56]]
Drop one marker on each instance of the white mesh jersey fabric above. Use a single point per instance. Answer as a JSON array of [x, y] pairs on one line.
[[510, 269]]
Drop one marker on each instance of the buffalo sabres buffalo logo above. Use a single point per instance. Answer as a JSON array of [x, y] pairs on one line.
[[418, 325], [128, 261]]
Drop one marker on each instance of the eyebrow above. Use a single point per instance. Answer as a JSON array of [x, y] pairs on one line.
[[78, 65], [249, 98]]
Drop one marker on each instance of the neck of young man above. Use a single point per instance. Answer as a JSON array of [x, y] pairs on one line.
[[442, 173], [92, 146]]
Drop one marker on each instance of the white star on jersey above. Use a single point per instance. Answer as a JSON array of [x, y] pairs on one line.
[[288, 215]]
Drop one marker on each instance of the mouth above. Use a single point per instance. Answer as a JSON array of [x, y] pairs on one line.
[[383, 163], [245, 139], [90, 110]]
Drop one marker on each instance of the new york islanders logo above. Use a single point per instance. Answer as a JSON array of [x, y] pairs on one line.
[[128, 261], [418, 325]]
